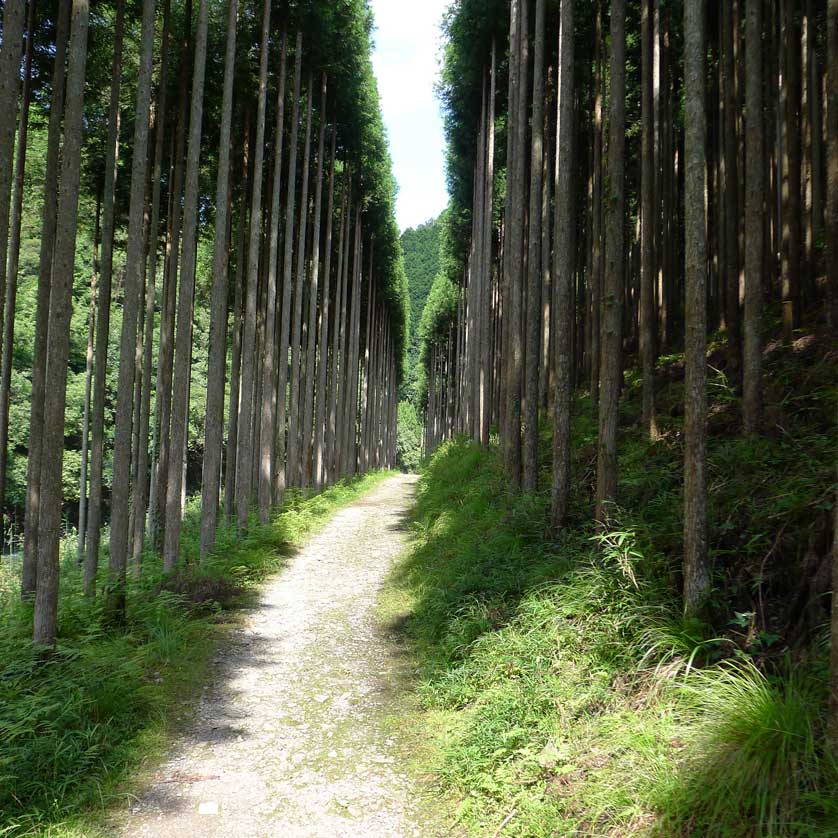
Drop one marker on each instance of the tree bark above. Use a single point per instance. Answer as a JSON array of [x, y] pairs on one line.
[[268, 428], [10, 51], [611, 340], [696, 570], [236, 353], [563, 243], [39, 359], [58, 350], [534, 278], [832, 162], [293, 468], [88, 387], [144, 489], [183, 355], [134, 261], [323, 354], [792, 229], [282, 441], [647, 228], [14, 257], [754, 221], [308, 413], [245, 454]]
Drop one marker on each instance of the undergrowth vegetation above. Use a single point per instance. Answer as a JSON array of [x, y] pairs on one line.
[[565, 691], [75, 721]]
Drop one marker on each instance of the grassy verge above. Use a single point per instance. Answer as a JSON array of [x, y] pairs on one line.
[[76, 725], [564, 693]]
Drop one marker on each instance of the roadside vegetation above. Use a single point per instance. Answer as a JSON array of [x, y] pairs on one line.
[[565, 693], [76, 722]]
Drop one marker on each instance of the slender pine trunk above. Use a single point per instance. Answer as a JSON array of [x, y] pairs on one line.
[[134, 262], [58, 348]]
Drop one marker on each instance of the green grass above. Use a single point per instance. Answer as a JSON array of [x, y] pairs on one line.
[[77, 724], [561, 686]]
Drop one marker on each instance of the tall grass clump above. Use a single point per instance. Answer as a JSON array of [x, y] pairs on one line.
[[76, 720]]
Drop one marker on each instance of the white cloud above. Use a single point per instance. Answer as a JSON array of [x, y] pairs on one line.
[[406, 62]]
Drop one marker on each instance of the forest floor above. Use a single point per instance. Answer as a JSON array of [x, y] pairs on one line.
[[299, 731]]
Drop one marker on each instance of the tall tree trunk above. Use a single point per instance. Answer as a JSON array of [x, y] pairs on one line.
[[103, 316], [293, 468], [166, 352], [88, 387], [144, 489], [268, 429], [308, 413], [183, 356], [563, 243], [58, 350], [534, 278], [832, 281], [337, 341], [754, 221], [792, 249], [39, 358], [611, 341], [596, 214], [134, 261], [731, 193], [245, 455], [647, 229], [323, 354], [236, 353], [14, 258], [10, 50], [486, 262], [696, 571], [282, 441], [516, 203]]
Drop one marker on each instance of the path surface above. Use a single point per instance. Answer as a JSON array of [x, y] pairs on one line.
[[294, 736]]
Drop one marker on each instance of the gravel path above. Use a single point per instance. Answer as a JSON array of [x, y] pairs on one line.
[[295, 737]]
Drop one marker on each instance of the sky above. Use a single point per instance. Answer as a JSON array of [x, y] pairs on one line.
[[405, 59]]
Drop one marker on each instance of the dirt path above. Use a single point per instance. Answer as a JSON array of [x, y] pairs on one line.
[[294, 737]]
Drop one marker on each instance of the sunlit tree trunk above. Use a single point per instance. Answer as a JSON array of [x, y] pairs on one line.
[[166, 352], [142, 486], [58, 348], [39, 358], [183, 357], [597, 213], [135, 257]]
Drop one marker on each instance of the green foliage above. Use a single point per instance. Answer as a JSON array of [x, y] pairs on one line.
[[74, 721], [421, 264], [559, 677], [408, 438]]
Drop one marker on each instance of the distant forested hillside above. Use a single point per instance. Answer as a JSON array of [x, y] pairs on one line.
[[421, 264]]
